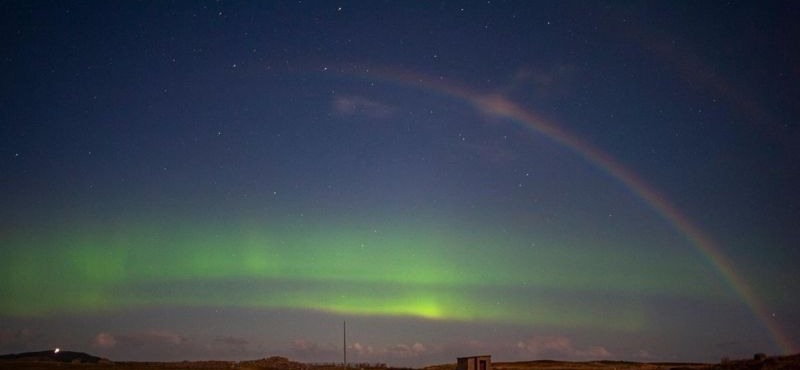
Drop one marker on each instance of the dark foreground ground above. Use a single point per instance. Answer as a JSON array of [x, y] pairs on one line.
[[278, 363]]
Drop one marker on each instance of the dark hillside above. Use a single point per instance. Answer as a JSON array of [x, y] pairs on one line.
[[61, 356]]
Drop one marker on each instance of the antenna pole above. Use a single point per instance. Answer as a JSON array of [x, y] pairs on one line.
[[344, 341]]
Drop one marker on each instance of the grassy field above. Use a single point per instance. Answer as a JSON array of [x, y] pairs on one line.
[[590, 365], [771, 363], [219, 365]]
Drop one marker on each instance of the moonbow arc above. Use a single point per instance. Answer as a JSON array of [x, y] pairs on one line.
[[500, 106]]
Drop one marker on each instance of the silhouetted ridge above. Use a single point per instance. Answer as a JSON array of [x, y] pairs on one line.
[[61, 356], [762, 362]]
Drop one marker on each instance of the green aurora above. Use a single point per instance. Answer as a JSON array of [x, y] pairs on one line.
[[418, 270]]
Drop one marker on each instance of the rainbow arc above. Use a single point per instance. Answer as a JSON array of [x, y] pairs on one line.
[[500, 106]]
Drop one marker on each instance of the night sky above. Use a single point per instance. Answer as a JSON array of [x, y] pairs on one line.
[[559, 180]]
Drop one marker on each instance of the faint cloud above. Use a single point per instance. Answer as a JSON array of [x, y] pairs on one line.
[[361, 106], [405, 351], [307, 350], [104, 340], [362, 350], [164, 345], [150, 337], [558, 348], [598, 352], [303, 345], [554, 80], [157, 336], [499, 105]]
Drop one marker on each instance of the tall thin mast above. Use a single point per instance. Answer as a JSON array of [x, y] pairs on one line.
[[344, 341]]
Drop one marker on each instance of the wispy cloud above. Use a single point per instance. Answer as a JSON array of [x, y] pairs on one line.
[[558, 347], [307, 350], [546, 81], [164, 345], [405, 351], [361, 106], [149, 337], [643, 355], [104, 340], [362, 350]]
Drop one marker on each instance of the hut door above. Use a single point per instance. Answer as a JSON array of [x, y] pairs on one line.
[[483, 365]]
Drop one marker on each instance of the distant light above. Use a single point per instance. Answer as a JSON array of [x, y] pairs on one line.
[[57, 350]]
